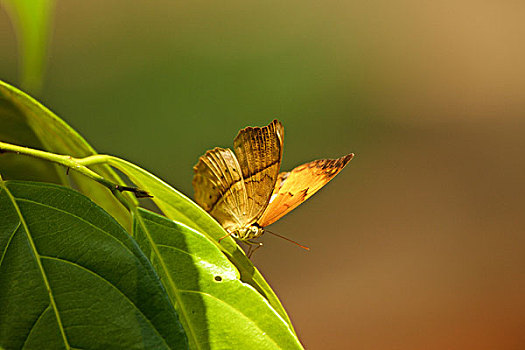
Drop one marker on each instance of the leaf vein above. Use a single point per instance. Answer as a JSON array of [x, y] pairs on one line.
[[79, 218], [111, 285], [234, 309], [39, 263], [172, 284], [9, 242], [35, 323]]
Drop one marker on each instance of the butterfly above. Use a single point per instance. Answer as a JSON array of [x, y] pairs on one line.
[[243, 189]]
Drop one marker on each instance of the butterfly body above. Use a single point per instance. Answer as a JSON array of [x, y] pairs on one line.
[[243, 189], [248, 232]]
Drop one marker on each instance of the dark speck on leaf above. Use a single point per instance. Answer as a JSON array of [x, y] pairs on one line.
[[218, 278]]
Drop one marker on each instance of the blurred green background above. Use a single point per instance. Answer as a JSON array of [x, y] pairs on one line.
[[420, 242]]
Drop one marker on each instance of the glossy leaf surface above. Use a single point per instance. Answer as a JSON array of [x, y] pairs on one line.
[[71, 277], [217, 309]]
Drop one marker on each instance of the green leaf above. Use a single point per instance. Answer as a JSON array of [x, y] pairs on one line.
[[31, 22], [180, 208], [71, 277], [217, 309], [55, 136], [29, 123]]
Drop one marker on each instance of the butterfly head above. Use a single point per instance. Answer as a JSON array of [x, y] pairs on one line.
[[248, 232]]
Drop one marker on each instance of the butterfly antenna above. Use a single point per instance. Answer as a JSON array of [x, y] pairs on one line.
[[288, 239]]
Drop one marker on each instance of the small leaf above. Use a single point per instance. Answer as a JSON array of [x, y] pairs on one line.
[[30, 124], [71, 277], [178, 207], [217, 309], [31, 21]]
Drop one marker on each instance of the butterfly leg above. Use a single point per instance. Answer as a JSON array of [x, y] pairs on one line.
[[252, 250], [223, 237]]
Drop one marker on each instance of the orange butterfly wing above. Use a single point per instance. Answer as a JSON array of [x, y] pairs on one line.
[[294, 187]]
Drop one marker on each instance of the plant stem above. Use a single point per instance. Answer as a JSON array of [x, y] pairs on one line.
[[77, 164]]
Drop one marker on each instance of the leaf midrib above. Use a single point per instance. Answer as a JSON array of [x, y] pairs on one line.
[[220, 300], [188, 291], [76, 217], [39, 264], [170, 280], [102, 231], [111, 285], [182, 291]]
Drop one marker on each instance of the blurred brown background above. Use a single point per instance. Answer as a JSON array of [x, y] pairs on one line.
[[420, 242]]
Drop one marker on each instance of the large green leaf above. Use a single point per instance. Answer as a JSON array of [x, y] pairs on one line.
[[217, 309], [71, 277], [178, 207], [26, 122]]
